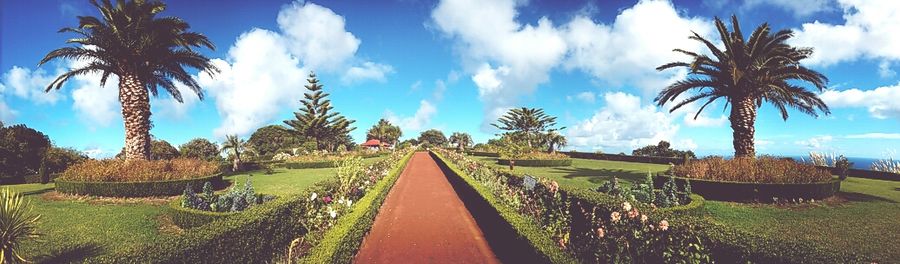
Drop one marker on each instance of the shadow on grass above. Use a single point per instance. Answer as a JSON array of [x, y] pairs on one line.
[[74, 254], [859, 197], [41, 191], [600, 175]]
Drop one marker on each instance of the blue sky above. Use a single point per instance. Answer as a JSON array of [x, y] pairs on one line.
[[456, 65]]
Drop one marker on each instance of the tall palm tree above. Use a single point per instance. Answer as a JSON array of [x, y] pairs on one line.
[[527, 122], [237, 146], [144, 51], [462, 140], [745, 74]]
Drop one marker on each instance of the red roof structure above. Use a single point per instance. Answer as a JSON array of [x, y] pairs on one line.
[[372, 143]]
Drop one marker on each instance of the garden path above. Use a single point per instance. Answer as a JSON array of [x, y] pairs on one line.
[[423, 220]]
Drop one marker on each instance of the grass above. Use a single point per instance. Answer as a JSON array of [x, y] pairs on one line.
[[863, 219], [76, 229], [585, 173]]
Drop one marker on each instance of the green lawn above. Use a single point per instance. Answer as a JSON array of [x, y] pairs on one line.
[[75, 229], [867, 223], [586, 173]]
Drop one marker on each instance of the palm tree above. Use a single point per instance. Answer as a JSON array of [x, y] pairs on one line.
[[527, 122], [554, 141], [746, 73], [144, 51], [237, 146], [462, 140], [385, 132]]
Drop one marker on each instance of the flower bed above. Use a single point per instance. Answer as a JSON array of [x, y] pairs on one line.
[[569, 225], [256, 235], [135, 189], [193, 209], [536, 162], [757, 192]]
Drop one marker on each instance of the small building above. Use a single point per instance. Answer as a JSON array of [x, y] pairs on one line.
[[373, 144]]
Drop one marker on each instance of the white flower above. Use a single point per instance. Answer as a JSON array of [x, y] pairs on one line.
[[349, 202], [643, 218], [313, 197], [626, 206], [332, 212]]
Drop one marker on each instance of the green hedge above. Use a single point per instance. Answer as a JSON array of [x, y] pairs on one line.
[[342, 241], [756, 192], [525, 228], [310, 165], [136, 189], [483, 154], [190, 218], [537, 162]]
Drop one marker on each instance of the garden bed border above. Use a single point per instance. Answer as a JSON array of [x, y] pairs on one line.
[[755, 192], [537, 162], [136, 189]]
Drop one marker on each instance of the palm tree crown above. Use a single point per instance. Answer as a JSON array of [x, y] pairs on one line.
[[143, 50], [747, 73], [527, 122]]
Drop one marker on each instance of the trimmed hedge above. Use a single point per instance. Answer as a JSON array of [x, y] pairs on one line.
[[627, 158], [869, 174], [542, 248], [310, 165], [483, 154], [342, 241], [536, 163], [758, 192], [190, 218], [136, 189]]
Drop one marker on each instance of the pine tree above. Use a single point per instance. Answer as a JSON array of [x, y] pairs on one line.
[[316, 121]]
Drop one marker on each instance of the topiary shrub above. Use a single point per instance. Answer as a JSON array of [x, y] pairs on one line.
[[134, 189], [114, 170]]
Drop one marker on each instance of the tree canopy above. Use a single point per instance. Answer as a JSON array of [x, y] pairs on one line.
[[200, 148], [526, 124], [385, 132], [433, 137], [317, 121]]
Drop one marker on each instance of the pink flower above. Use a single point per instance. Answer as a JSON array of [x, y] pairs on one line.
[[663, 225], [600, 232], [326, 199], [615, 216], [562, 243], [633, 213]]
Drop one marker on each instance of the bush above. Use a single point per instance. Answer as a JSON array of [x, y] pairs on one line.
[[114, 170], [22, 150], [200, 148], [235, 200], [134, 189], [764, 169], [17, 223], [537, 162], [310, 165]]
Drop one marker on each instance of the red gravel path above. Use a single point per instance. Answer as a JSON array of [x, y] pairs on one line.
[[423, 220]]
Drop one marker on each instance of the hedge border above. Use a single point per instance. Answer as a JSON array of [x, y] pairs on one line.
[[341, 243], [256, 235], [483, 154], [861, 173], [310, 164], [537, 162], [136, 189], [525, 228], [186, 218], [625, 158], [756, 192]]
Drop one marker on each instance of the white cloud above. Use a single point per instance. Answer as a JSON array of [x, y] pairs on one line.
[[885, 71], [816, 142], [875, 136], [798, 8], [30, 85], [415, 123], [95, 105], [587, 97], [881, 102], [167, 107], [624, 123], [868, 32], [7, 114], [317, 35], [367, 71]]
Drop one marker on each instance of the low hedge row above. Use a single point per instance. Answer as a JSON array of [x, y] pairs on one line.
[[483, 154], [869, 174], [342, 241], [536, 163], [541, 249], [756, 192], [627, 158], [190, 218], [310, 165], [136, 189]]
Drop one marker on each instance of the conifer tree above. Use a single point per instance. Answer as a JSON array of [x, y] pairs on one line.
[[316, 121]]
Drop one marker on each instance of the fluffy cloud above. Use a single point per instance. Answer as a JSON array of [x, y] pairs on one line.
[[624, 123], [30, 85], [868, 32], [881, 102], [414, 123], [265, 71], [816, 142], [587, 97], [799, 8]]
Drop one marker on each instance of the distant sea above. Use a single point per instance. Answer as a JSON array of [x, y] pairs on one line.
[[858, 163]]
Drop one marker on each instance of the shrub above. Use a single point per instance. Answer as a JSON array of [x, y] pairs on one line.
[[887, 165], [235, 200], [134, 189], [843, 165], [60, 159], [668, 196], [764, 169], [200, 148], [16, 224], [537, 162], [114, 170]]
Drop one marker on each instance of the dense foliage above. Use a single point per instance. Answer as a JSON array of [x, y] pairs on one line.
[[200, 148], [316, 120], [161, 149], [235, 147], [669, 196], [764, 169], [272, 139], [432, 137], [385, 132], [599, 233], [115, 170], [461, 140], [235, 199], [529, 125], [22, 151], [17, 223], [663, 149]]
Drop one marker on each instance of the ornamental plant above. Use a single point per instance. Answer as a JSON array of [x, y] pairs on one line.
[[235, 199], [115, 170], [763, 169], [17, 223]]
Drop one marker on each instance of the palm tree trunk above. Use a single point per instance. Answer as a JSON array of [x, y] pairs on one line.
[[236, 163], [135, 102], [743, 119]]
